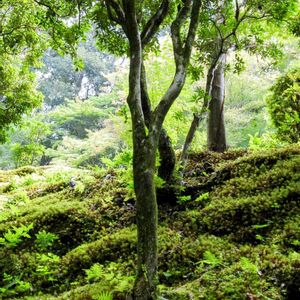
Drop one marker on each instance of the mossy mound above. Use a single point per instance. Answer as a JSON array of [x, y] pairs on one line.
[[237, 239]]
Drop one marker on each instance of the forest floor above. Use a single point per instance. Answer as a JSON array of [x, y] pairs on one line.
[[233, 234]]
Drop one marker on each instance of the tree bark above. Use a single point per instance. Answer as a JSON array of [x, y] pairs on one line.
[[144, 150], [167, 158], [215, 92], [146, 217], [216, 134]]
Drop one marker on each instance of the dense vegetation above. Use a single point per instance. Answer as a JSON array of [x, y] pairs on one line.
[[179, 183], [235, 238]]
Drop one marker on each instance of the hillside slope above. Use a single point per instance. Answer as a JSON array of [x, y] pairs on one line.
[[235, 234]]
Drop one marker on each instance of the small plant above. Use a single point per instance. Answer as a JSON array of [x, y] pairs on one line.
[[104, 296], [95, 273], [159, 182], [184, 199], [110, 276], [80, 187], [202, 197], [14, 237], [45, 239], [13, 285], [48, 266], [28, 180], [264, 142], [248, 266], [211, 259], [20, 197]]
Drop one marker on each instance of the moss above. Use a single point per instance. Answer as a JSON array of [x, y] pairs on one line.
[[241, 243], [263, 194], [118, 246], [180, 255], [291, 233]]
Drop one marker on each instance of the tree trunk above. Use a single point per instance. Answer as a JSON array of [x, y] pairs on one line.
[[190, 136], [146, 217], [198, 117], [167, 158], [144, 152], [216, 134]]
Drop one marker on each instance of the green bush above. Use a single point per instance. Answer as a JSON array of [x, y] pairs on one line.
[[284, 105]]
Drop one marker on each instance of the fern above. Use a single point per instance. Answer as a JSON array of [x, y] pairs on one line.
[[13, 238], [211, 259], [248, 266], [105, 296], [95, 273]]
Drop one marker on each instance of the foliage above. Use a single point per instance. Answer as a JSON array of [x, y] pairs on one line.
[[284, 104], [109, 277], [14, 286], [17, 86], [265, 141], [104, 296], [59, 80], [45, 239], [14, 237], [77, 116], [47, 266], [23, 38]]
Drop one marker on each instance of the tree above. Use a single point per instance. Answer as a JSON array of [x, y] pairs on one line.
[[18, 93], [27, 147], [128, 26], [231, 26], [59, 80], [17, 36], [23, 39], [140, 30]]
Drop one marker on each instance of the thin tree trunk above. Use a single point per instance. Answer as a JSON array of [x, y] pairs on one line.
[[216, 134], [198, 117], [211, 93]]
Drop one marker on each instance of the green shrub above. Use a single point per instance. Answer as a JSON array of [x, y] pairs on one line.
[[284, 105]]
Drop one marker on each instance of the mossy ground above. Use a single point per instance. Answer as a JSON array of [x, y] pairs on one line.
[[238, 240]]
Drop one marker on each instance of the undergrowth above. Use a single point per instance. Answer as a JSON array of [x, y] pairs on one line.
[[239, 240]]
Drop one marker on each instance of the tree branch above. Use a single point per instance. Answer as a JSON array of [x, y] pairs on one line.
[[154, 23], [182, 57], [135, 49], [192, 31], [237, 10], [50, 8], [181, 17], [146, 103], [120, 15]]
